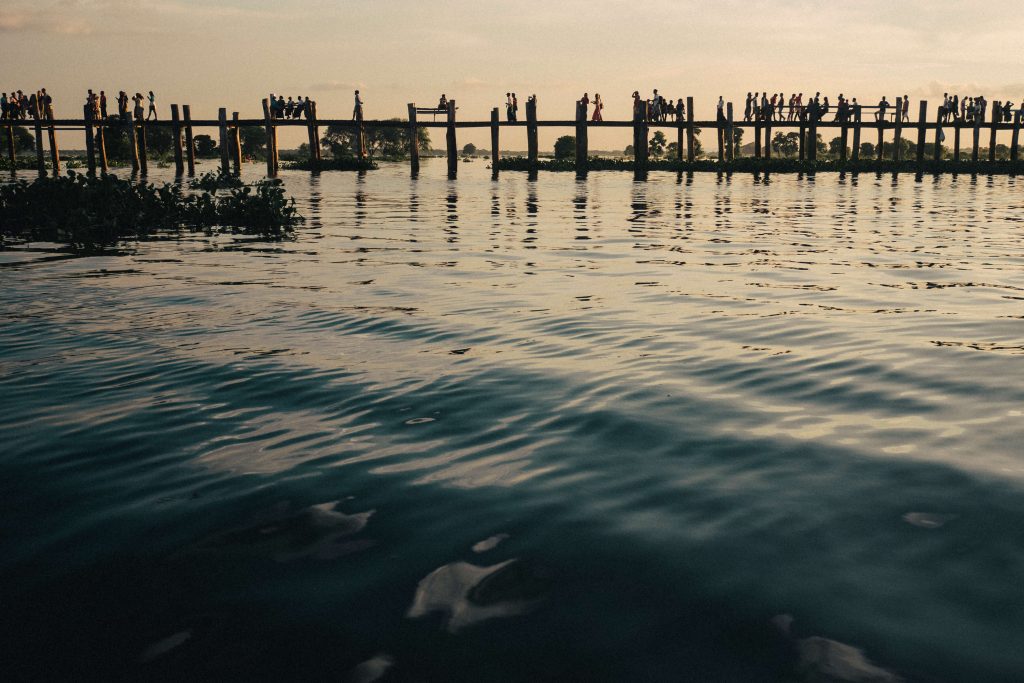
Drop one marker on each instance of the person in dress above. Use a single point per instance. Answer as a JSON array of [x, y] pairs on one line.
[[598, 106]]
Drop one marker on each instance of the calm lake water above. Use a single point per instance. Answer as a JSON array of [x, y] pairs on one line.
[[691, 429]]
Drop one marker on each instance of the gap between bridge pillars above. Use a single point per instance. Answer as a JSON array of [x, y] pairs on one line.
[[450, 138], [690, 130], [190, 145], [992, 137], [222, 130], [236, 144], [40, 161], [268, 126], [143, 150], [531, 136], [922, 122], [495, 143], [133, 141], [54, 150], [414, 140], [90, 148], [582, 147], [855, 151], [977, 138], [1015, 140], [179, 162]]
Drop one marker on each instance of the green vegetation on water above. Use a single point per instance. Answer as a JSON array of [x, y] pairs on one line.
[[341, 164], [90, 214]]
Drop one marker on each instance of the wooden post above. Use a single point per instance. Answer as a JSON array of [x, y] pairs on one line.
[[90, 149], [844, 137], [179, 162], [313, 133], [269, 127], [680, 132], [40, 162], [977, 138], [938, 137], [531, 134], [54, 150], [101, 146], [922, 120], [640, 145], [317, 147], [452, 142], [897, 151], [222, 129], [11, 152], [720, 134], [803, 139], [143, 150], [768, 140], [855, 151], [582, 146], [757, 138], [1013, 141], [414, 140], [812, 137], [190, 145], [992, 137], [236, 144], [881, 139], [956, 141], [730, 137], [133, 141], [689, 130], [360, 137], [495, 143]]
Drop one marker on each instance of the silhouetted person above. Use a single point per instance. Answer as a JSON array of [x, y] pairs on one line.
[[152, 107], [103, 104], [357, 110]]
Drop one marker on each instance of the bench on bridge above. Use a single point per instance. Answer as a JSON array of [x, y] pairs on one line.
[[434, 111]]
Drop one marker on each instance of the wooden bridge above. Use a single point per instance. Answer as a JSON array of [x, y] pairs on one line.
[[182, 126]]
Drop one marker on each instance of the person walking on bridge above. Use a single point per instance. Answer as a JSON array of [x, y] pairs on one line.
[[598, 106], [357, 110], [152, 107]]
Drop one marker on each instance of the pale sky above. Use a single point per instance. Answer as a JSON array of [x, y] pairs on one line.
[[231, 53]]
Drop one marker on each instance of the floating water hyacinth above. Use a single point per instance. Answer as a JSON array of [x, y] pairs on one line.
[[94, 213]]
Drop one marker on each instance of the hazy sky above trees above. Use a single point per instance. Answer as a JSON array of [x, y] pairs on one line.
[[211, 53]]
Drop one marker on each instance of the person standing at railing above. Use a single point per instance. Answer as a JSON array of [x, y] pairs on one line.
[[906, 108], [598, 106], [509, 114], [883, 105], [748, 108], [103, 104], [47, 103]]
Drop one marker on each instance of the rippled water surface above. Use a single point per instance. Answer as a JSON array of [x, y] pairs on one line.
[[689, 429]]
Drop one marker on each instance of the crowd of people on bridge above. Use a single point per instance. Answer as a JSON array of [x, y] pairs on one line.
[[974, 109], [657, 109], [296, 108], [18, 106], [143, 107]]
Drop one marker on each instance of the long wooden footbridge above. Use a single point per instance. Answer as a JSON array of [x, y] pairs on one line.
[[182, 126]]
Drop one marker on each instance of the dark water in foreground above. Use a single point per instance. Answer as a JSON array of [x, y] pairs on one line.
[[692, 430]]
